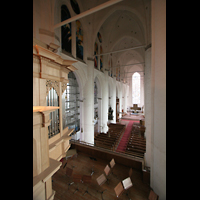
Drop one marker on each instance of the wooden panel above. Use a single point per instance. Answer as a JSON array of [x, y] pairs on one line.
[[36, 91], [48, 188], [39, 191], [54, 138], [55, 154], [107, 156]]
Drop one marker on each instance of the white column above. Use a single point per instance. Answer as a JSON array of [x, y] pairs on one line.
[[105, 103], [88, 104], [113, 99], [142, 90]]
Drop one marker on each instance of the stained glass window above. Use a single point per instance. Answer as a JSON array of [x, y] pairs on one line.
[[79, 40], [66, 29], [136, 88]]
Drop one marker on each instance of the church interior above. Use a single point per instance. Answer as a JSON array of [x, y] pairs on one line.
[[99, 99]]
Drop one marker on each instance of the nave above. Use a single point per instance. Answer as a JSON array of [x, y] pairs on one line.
[[83, 164], [125, 137]]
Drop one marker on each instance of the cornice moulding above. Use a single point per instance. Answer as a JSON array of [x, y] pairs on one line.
[[45, 53]]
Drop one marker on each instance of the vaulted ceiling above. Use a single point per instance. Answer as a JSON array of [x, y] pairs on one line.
[[124, 29]]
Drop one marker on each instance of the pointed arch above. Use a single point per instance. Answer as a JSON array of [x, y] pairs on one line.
[[136, 88]]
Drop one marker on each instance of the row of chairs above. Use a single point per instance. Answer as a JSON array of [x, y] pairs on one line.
[[111, 139], [76, 178], [105, 177], [121, 187]]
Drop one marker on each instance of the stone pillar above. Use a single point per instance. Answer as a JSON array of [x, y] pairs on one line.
[[141, 90], [105, 103], [113, 98], [88, 104]]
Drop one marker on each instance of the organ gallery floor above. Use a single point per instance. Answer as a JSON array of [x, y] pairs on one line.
[[82, 165]]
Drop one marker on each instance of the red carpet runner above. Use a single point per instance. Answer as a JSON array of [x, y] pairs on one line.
[[124, 140]]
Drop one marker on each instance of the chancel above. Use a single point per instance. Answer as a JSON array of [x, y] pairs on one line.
[[99, 95]]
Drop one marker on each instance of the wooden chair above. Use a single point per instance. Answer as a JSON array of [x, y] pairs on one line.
[[153, 196], [87, 179], [127, 184], [101, 180], [130, 172], [77, 178], [69, 174], [107, 172], [119, 189]]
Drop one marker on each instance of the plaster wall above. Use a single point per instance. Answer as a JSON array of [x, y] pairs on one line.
[[148, 107], [158, 157]]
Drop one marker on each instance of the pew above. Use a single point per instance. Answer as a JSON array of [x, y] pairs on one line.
[[136, 145], [112, 138]]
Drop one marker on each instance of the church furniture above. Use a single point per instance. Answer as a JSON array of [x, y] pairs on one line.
[[43, 166], [102, 193], [136, 144], [77, 178], [153, 196], [101, 179], [127, 159], [135, 108], [92, 170], [68, 160], [69, 172], [71, 153], [107, 172], [127, 184], [119, 189], [112, 164], [130, 172], [86, 179], [146, 175], [111, 139]]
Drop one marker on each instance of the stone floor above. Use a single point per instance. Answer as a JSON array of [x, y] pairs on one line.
[[83, 165]]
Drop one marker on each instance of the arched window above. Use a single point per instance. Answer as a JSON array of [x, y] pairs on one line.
[[136, 88], [95, 93], [79, 40], [98, 60], [96, 57], [66, 30], [70, 103], [53, 100]]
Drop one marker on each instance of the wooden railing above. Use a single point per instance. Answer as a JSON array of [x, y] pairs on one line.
[[96, 151]]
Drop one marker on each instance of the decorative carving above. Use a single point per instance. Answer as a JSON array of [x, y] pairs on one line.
[[64, 86], [52, 84]]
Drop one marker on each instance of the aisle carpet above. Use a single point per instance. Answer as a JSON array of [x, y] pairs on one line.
[[124, 140]]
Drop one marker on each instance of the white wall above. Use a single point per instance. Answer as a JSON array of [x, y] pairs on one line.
[[158, 153]]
